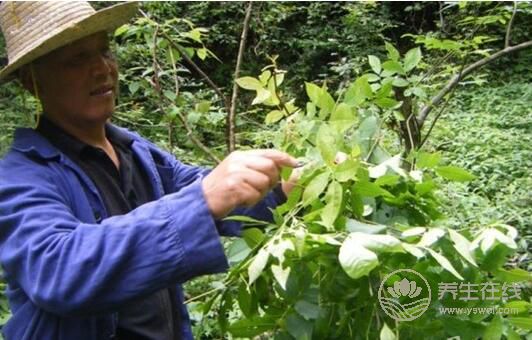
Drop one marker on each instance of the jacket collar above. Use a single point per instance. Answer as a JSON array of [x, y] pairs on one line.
[[29, 141]]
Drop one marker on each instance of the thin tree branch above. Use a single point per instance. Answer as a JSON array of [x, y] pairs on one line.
[[157, 87], [442, 22], [276, 90], [192, 64], [509, 28], [157, 82], [232, 110], [424, 112], [199, 70]]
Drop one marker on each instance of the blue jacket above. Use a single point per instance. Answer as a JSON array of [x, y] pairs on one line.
[[69, 267]]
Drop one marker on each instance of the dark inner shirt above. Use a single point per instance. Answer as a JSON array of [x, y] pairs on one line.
[[122, 190]]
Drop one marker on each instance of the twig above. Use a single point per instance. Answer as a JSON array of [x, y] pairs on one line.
[[442, 22], [232, 110], [192, 63], [276, 90], [156, 84], [509, 28], [439, 112], [456, 78]]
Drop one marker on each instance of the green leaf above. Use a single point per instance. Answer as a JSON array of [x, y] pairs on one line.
[[428, 160], [356, 260], [371, 77], [194, 34], [262, 96], [412, 59], [202, 53], [442, 260], [370, 189], [245, 219], [462, 246], [277, 249], [490, 237], [249, 83], [237, 251], [393, 67], [385, 89], [520, 306], [298, 327], [326, 103], [203, 106], [121, 30], [367, 228], [257, 265], [320, 97], [265, 77], [393, 54], [170, 95], [313, 92], [431, 236], [494, 329], [279, 78], [326, 143], [413, 250], [273, 117], [377, 243], [292, 200], [419, 92], [253, 236], [521, 322], [358, 92], [280, 274], [342, 118], [412, 232], [513, 275], [133, 87], [386, 103], [454, 173], [512, 335], [307, 310], [334, 203], [375, 63], [246, 301], [400, 82], [346, 170], [386, 333], [316, 186], [251, 327]]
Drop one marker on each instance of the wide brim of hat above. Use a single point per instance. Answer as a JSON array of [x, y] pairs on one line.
[[104, 20]]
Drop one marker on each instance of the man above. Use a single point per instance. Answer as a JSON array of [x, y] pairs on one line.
[[98, 227]]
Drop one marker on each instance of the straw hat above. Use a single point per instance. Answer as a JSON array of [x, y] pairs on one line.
[[35, 28]]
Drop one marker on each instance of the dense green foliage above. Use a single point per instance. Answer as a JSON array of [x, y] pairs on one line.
[[344, 77]]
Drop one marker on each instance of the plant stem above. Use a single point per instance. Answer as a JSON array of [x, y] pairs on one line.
[[509, 27], [231, 140], [456, 78]]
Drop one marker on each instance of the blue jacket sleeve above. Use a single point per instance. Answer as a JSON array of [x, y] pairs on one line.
[[176, 175], [68, 267]]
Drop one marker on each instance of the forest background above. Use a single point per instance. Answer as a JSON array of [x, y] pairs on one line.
[[389, 60]]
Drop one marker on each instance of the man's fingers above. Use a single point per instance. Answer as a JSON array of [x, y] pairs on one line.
[[250, 193], [259, 180], [266, 166], [280, 158]]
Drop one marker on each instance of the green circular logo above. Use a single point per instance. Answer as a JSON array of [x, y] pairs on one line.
[[404, 295]]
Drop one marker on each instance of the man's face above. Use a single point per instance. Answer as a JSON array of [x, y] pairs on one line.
[[78, 83]]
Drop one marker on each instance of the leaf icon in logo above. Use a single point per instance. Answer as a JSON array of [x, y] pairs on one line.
[[404, 288]]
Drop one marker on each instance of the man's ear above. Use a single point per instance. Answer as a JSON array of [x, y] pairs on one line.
[[25, 77]]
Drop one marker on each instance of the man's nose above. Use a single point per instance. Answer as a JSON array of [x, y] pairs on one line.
[[101, 65]]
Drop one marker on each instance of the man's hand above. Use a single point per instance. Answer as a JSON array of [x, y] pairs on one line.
[[243, 178]]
